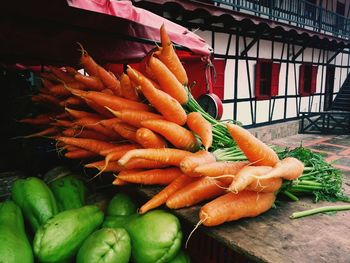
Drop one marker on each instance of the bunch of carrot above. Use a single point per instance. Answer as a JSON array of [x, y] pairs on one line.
[[145, 128]]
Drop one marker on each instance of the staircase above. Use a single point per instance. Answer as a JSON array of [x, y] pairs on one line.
[[342, 100]]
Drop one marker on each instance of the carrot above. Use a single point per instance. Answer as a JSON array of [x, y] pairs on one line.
[[168, 81], [189, 163], [45, 132], [77, 114], [94, 124], [109, 123], [178, 136], [255, 150], [63, 123], [37, 120], [80, 154], [92, 82], [163, 102], [99, 165], [72, 101], [149, 139], [289, 168], [49, 99], [98, 108], [218, 168], [88, 62], [117, 90], [231, 207], [168, 56], [88, 134], [140, 163], [71, 71], [135, 117], [110, 101], [49, 76], [119, 148], [108, 91], [165, 155], [128, 91], [60, 90], [127, 131], [108, 79], [246, 176], [118, 181], [199, 125], [61, 75], [265, 185], [202, 189], [46, 83], [163, 195], [152, 177], [88, 144]]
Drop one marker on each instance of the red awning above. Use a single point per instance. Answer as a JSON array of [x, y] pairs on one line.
[[47, 32]]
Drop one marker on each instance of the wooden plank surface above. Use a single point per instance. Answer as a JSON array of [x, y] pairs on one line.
[[273, 237]]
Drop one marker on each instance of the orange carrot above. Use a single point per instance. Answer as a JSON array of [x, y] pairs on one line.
[[98, 108], [77, 114], [128, 91], [46, 83], [92, 82], [80, 154], [108, 91], [255, 150], [168, 56], [218, 168], [289, 168], [188, 164], [72, 101], [108, 79], [94, 124], [71, 71], [99, 165], [49, 99], [149, 139], [199, 125], [135, 117], [85, 133], [49, 76], [61, 75], [118, 148], [127, 131], [60, 90], [109, 123], [118, 181], [88, 144], [231, 207], [37, 120], [88, 62], [178, 136], [265, 185], [202, 189], [246, 176], [152, 177], [45, 132], [163, 102], [110, 101], [165, 155], [168, 81], [163, 195], [141, 163], [63, 123]]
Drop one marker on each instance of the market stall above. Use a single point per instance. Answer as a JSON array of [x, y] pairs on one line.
[[124, 116]]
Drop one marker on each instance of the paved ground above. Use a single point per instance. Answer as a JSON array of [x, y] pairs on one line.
[[336, 148]]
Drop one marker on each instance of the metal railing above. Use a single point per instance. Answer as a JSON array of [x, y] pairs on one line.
[[300, 13], [328, 122]]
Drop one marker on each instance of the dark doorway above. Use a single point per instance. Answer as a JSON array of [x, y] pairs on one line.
[[328, 99]]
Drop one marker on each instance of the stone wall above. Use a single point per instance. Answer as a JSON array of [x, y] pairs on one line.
[[276, 131]]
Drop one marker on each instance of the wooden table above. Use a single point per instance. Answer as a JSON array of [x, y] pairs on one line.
[[273, 237]]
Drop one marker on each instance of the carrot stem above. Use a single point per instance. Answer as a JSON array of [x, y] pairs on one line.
[[324, 209]]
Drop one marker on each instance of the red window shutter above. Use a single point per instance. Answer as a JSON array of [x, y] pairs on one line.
[[257, 78], [275, 77], [219, 82], [301, 80], [313, 79]]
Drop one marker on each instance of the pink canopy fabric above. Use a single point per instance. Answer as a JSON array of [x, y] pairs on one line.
[[148, 24]]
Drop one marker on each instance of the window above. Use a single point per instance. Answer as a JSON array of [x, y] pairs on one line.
[[307, 79], [266, 79]]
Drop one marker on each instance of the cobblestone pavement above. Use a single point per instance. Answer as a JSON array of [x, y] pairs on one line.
[[336, 148]]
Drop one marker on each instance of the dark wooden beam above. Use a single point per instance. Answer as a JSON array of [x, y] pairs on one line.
[[252, 43], [334, 55]]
